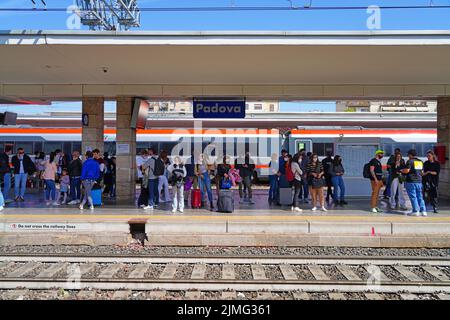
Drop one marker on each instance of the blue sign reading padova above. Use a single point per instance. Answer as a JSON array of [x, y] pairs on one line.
[[219, 108]]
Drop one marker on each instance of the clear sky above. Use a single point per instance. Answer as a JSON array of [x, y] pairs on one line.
[[245, 20]]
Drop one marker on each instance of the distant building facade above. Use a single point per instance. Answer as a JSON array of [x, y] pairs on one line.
[[386, 106]]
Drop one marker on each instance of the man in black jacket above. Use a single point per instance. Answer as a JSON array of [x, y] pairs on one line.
[[246, 168], [23, 166], [74, 170]]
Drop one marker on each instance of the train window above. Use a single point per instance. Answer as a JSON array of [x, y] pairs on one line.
[[404, 147], [110, 147], [27, 146], [424, 148], [51, 146], [388, 150], [38, 146], [321, 149]]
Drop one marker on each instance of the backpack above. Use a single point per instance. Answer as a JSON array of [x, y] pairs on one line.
[[366, 171], [159, 167], [289, 174]]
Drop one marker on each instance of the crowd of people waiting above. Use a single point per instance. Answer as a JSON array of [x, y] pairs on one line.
[[46, 171], [293, 179]]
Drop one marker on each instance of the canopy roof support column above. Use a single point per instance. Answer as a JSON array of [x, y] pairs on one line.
[[92, 135]]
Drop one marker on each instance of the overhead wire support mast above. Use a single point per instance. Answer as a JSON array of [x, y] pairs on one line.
[[109, 14]]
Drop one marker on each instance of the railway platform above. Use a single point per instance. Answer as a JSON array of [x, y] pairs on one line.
[[32, 222]]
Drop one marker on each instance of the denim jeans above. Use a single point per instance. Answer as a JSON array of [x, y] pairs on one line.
[[205, 182], [153, 192], [397, 188], [414, 191], [50, 190], [338, 183], [304, 191], [20, 184], [7, 188], [2, 200], [75, 188], [273, 182]]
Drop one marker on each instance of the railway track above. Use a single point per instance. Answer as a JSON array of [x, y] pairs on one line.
[[247, 277]]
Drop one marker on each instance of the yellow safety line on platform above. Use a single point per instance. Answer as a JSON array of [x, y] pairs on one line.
[[226, 217]]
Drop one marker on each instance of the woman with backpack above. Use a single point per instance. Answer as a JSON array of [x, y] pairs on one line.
[[316, 182], [177, 172], [297, 181]]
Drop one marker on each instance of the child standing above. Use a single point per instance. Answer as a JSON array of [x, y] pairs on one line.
[[64, 185]]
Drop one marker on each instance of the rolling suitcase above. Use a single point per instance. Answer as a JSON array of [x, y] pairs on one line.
[[196, 199], [285, 197], [96, 196], [225, 203]]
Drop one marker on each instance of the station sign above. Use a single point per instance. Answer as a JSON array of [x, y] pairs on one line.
[[219, 108]]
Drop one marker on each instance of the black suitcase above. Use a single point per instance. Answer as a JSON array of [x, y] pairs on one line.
[[286, 197], [225, 203]]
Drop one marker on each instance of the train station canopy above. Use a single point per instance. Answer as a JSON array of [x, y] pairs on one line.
[[67, 65]]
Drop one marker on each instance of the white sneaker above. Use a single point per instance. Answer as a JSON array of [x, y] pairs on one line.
[[324, 209], [92, 208], [424, 213], [298, 209], [374, 210], [414, 214], [73, 202], [1, 208], [142, 206], [47, 203], [55, 203], [148, 208], [81, 207], [314, 209], [292, 208], [174, 210], [181, 210]]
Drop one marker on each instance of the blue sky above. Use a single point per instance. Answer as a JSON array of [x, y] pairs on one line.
[[240, 20], [245, 20]]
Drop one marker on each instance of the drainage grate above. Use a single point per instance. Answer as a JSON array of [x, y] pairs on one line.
[[137, 231]]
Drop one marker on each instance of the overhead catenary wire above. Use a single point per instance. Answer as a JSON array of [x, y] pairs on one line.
[[247, 8]]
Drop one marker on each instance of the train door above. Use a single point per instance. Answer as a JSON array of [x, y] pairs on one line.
[[354, 156], [303, 144]]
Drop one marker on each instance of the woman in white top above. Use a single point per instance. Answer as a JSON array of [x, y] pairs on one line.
[[177, 173], [297, 183]]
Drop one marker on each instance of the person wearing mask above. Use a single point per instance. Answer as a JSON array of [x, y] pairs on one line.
[[90, 173], [23, 166], [430, 179], [376, 182], [163, 182], [203, 179], [387, 191], [177, 173], [7, 174], [297, 183], [273, 178], [305, 160], [397, 197], [413, 183], [336, 171], [74, 169], [246, 169], [326, 167], [315, 175], [148, 168], [143, 196], [49, 176]]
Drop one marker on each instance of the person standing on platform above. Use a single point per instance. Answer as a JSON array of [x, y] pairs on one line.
[[413, 183], [326, 167], [397, 197], [376, 182], [204, 180], [273, 178], [430, 179], [143, 196], [305, 160], [177, 173], [149, 167], [90, 173], [316, 182], [74, 169], [387, 191], [297, 183], [7, 174], [246, 169], [49, 176], [4, 169], [336, 172], [23, 166], [163, 181]]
